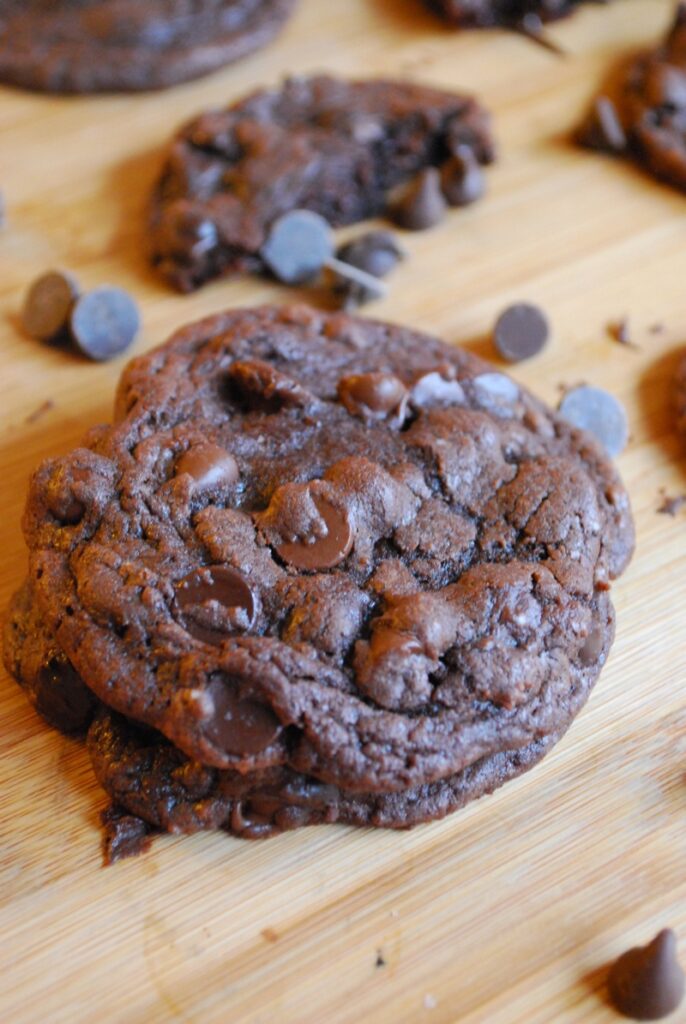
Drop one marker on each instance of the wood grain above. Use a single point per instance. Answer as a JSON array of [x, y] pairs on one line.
[[508, 911]]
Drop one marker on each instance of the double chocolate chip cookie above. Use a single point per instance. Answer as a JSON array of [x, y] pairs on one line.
[[86, 46], [332, 147], [508, 13], [644, 117], [319, 569]]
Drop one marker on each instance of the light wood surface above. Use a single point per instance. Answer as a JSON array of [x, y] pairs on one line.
[[504, 913]]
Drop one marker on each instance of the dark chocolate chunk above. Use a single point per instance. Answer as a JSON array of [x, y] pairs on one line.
[[48, 306], [376, 396], [210, 466], [238, 726], [462, 178], [423, 204], [521, 332], [375, 252], [215, 602], [104, 323], [598, 412], [647, 982], [298, 247], [317, 553]]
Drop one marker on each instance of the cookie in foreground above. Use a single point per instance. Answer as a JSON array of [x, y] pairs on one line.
[[118, 46], [334, 147], [316, 554]]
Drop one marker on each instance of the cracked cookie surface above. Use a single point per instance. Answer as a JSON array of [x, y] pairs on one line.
[[84, 46], [334, 147], [322, 545]]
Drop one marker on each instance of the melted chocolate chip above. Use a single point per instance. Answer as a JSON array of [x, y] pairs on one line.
[[647, 982], [436, 387], [48, 306], [262, 385], [593, 647], [521, 332], [237, 726], [423, 205], [321, 552], [215, 601], [376, 396], [62, 698], [210, 466]]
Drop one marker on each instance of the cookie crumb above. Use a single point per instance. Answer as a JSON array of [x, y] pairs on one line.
[[269, 935], [380, 959], [671, 506]]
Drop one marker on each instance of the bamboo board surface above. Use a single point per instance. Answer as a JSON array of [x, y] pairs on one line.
[[508, 911]]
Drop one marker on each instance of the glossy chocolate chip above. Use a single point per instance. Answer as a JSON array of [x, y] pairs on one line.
[[376, 396], [423, 204], [215, 602], [375, 252], [463, 179], [48, 306], [237, 726], [104, 323], [319, 553], [599, 412], [209, 466], [495, 389], [647, 982], [61, 696], [298, 247], [521, 331], [436, 387]]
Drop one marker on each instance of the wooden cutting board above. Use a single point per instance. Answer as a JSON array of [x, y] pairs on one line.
[[508, 911]]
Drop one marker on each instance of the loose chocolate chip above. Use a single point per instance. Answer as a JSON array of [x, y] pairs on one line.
[[210, 466], [600, 413], [214, 602], [462, 178], [592, 647], [318, 553], [236, 726], [104, 323], [375, 396], [376, 252], [647, 982], [521, 332], [603, 129], [423, 205], [352, 295], [48, 306], [298, 247], [436, 387]]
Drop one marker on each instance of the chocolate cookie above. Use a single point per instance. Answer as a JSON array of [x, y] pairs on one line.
[[88, 46], [509, 13], [326, 547], [644, 116], [680, 397], [332, 147]]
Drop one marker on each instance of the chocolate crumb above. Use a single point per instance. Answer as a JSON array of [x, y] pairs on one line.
[[269, 935], [125, 834], [380, 959], [40, 411], [620, 331], [672, 506]]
